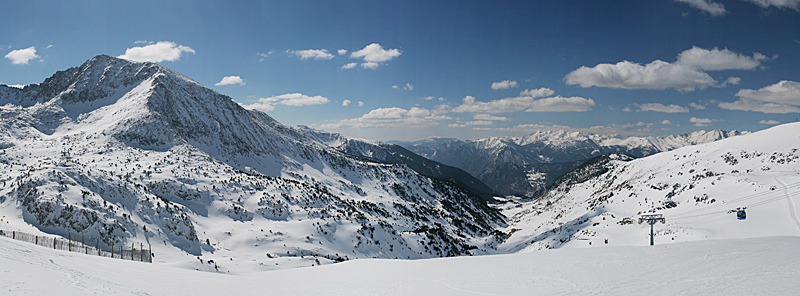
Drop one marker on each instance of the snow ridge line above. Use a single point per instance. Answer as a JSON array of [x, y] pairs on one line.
[[793, 209]]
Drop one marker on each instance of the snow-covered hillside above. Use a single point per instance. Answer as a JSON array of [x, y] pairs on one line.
[[125, 152], [696, 188], [524, 165], [765, 266]]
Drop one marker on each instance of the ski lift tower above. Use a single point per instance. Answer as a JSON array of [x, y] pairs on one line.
[[652, 219]]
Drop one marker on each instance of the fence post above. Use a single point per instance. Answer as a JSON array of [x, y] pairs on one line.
[[141, 251], [84, 245], [69, 241], [97, 245], [132, 248], [112, 249], [55, 239], [13, 234], [149, 253], [37, 240]]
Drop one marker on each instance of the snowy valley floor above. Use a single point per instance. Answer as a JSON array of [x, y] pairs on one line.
[[755, 266]]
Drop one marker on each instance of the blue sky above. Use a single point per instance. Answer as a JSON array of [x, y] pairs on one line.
[[408, 70]]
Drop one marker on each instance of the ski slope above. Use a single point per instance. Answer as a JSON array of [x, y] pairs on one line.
[[696, 188], [765, 266]]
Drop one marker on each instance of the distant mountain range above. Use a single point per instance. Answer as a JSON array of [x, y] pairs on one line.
[[525, 165]]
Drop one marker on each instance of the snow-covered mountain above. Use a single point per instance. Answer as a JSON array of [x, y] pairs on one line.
[[696, 188], [395, 154], [524, 165], [124, 152]]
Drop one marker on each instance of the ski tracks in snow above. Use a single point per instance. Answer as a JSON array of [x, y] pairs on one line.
[[792, 208]]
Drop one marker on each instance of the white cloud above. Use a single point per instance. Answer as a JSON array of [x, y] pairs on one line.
[[346, 103], [700, 121], [490, 117], [781, 97], [713, 8], [793, 4], [783, 92], [665, 121], [228, 80], [22, 56], [732, 81], [342, 51], [686, 74], [527, 104], [719, 59], [479, 122], [49, 46], [407, 87], [697, 106], [157, 52], [759, 106], [536, 93], [360, 103], [349, 66], [391, 117], [263, 56], [374, 54], [370, 65], [505, 84], [317, 54], [658, 107], [771, 122], [293, 99]]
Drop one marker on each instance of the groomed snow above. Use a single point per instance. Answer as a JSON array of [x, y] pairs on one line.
[[764, 266]]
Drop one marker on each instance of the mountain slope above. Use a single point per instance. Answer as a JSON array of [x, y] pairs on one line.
[[764, 266], [696, 188], [395, 154], [124, 152], [509, 164]]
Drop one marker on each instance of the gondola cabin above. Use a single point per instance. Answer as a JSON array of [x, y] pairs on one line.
[[741, 214]]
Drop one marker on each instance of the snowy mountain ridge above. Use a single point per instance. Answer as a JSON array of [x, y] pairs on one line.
[[123, 152], [512, 165], [696, 188]]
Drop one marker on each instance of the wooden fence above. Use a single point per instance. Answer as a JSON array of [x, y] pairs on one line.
[[73, 245]]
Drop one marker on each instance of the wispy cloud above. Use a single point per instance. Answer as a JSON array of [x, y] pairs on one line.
[[156, 52], [527, 104], [771, 122], [781, 97], [700, 121], [792, 4], [349, 65], [711, 7], [228, 80], [316, 54], [686, 74], [22, 56], [346, 103], [658, 107], [391, 117], [505, 84], [293, 99], [407, 87]]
